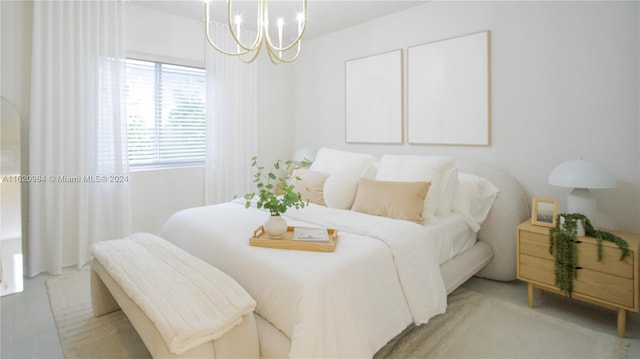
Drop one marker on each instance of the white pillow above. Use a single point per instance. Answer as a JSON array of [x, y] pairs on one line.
[[340, 191], [449, 192], [414, 168], [474, 198], [343, 162], [310, 185], [372, 170]]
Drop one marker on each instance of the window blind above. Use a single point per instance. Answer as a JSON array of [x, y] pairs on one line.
[[166, 118]]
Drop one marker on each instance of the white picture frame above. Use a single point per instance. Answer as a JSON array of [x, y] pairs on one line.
[[448, 91], [373, 99]]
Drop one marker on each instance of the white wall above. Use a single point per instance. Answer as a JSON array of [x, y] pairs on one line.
[[275, 111], [159, 36], [564, 82], [157, 194]]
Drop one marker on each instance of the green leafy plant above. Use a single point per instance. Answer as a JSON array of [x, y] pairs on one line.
[[563, 242], [274, 192]]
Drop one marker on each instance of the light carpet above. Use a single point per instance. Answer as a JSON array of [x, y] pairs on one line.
[[81, 334], [474, 326]]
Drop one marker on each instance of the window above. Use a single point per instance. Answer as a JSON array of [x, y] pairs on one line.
[[166, 119]]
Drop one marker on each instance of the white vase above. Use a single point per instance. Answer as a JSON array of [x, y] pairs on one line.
[[580, 229], [580, 232], [275, 226]]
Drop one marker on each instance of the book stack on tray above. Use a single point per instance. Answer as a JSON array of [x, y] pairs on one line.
[[308, 234]]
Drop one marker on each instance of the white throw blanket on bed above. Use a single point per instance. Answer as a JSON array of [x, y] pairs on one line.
[[414, 253], [189, 301]]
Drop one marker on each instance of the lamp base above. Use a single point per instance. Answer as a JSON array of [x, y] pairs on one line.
[[582, 201]]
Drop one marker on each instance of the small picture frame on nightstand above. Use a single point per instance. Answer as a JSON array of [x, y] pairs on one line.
[[544, 212]]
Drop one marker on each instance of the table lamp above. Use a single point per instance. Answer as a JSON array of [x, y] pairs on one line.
[[581, 175]]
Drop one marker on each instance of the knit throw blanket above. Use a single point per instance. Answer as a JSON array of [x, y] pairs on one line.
[[189, 301]]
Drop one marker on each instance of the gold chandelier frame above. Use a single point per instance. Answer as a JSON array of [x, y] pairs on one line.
[[276, 53]]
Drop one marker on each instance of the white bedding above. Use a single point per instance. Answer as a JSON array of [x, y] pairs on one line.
[[343, 304], [452, 235]]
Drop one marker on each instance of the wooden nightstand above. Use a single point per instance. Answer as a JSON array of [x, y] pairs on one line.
[[609, 283]]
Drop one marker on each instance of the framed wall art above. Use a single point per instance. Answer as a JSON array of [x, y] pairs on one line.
[[373, 99], [544, 212], [448, 91]]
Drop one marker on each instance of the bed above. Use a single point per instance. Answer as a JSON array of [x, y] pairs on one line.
[[384, 274]]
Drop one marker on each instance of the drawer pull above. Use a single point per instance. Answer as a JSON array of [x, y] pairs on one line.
[[568, 265]]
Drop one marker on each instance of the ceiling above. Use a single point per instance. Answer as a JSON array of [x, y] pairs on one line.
[[323, 16]]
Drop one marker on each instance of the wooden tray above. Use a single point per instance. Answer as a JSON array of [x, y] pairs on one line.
[[261, 239]]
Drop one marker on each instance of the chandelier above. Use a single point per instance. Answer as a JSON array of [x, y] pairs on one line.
[[277, 53]]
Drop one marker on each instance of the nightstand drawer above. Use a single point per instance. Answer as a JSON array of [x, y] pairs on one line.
[[537, 245], [536, 269], [609, 288], [610, 263], [602, 286]]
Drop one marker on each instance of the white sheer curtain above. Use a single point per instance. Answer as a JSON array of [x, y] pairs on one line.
[[77, 132], [232, 120]]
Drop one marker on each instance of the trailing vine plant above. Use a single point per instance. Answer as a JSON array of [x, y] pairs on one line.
[[563, 242]]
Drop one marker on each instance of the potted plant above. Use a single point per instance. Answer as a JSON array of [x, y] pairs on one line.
[[275, 194], [563, 244]]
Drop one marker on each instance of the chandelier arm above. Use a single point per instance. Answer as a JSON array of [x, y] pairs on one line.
[[294, 58], [258, 40], [297, 39], [208, 36], [289, 47], [276, 59], [252, 59]]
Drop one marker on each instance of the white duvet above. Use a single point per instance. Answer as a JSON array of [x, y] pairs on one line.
[[383, 275]]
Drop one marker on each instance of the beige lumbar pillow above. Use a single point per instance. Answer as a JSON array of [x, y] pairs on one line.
[[399, 200], [310, 185]]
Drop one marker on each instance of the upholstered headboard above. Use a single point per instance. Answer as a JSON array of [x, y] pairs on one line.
[[510, 208]]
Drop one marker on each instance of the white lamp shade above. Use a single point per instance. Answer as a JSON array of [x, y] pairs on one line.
[[304, 154], [581, 174]]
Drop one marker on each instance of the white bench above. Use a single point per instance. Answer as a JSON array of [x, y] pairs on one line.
[[118, 285]]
